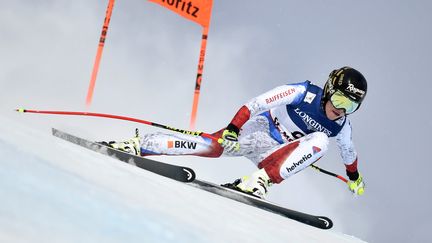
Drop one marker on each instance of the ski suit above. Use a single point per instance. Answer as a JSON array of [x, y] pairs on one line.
[[283, 131]]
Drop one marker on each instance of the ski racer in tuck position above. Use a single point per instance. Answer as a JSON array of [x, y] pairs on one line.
[[282, 132]]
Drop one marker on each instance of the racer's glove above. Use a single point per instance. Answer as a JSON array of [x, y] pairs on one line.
[[229, 139], [356, 184]]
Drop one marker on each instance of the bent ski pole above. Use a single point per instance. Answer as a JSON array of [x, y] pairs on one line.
[[79, 113], [330, 173]]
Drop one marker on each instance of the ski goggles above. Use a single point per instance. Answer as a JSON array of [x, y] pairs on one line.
[[340, 101]]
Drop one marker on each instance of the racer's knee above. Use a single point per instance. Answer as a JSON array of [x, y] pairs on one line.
[[291, 158], [319, 140]]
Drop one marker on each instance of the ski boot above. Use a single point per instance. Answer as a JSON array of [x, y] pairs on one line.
[[131, 146], [255, 185]]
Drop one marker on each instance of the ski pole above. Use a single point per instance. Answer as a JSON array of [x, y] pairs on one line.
[[79, 113], [329, 173]]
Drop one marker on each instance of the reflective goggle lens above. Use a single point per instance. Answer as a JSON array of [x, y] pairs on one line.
[[340, 101]]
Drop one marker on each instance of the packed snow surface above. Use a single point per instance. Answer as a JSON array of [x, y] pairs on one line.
[[55, 191]]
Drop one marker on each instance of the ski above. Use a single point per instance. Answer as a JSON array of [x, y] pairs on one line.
[[321, 222], [185, 174], [179, 173]]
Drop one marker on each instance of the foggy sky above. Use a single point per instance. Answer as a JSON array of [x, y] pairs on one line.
[[148, 70]]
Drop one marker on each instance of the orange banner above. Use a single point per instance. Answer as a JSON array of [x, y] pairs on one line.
[[198, 11]]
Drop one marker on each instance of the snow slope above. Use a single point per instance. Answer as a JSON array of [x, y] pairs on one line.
[[54, 191]]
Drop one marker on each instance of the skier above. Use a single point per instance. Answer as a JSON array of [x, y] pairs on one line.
[[282, 131]]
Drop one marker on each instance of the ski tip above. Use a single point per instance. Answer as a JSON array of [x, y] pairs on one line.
[[190, 174], [326, 222], [21, 110]]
